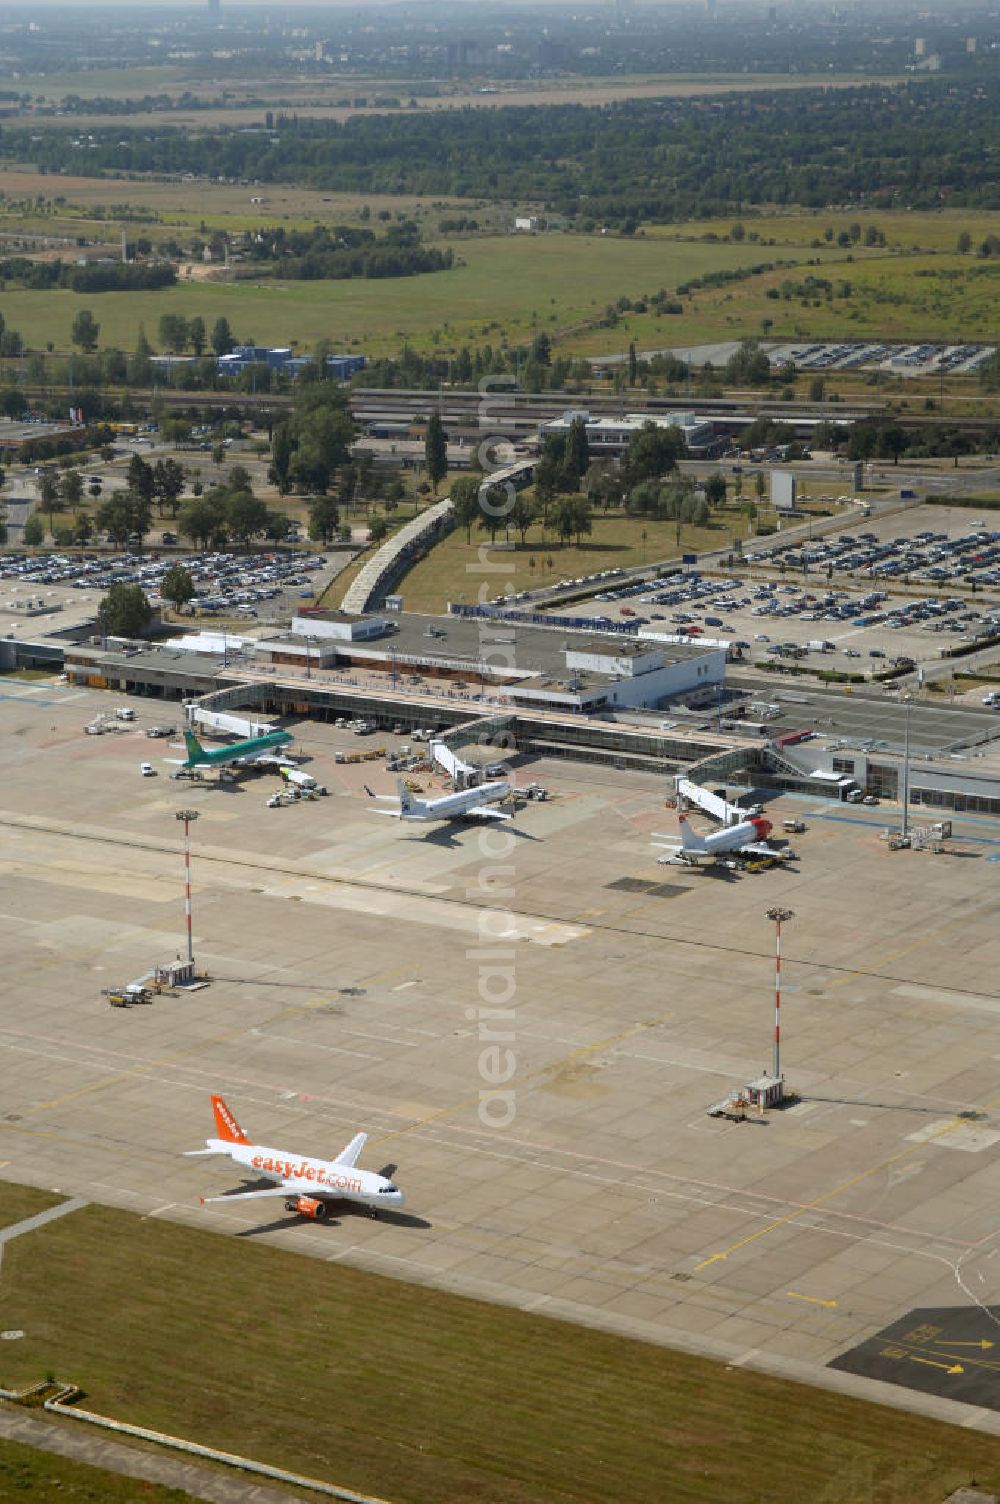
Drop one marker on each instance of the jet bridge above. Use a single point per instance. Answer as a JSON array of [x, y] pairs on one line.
[[456, 769], [712, 804]]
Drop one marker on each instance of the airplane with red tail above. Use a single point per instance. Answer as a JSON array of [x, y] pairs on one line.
[[748, 838], [308, 1185]]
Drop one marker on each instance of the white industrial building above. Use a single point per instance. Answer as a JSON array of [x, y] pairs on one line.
[[344, 626], [607, 435]]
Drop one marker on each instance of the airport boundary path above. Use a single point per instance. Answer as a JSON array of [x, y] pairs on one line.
[[116, 1457]]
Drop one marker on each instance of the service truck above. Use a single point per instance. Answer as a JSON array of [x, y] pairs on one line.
[[298, 779]]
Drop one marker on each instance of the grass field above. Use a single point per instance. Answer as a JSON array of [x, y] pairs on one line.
[[29, 1474], [504, 285], [452, 571], [509, 287], [894, 297], [217, 205], [909, 230], [20, 1201], [426, 1398]]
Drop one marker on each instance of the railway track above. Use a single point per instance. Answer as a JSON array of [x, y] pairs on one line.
[[500, 409]]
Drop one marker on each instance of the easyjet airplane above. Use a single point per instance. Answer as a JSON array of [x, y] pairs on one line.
[[309, 1185]]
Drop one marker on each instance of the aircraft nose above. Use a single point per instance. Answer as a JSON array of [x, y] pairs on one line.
[[761, 826]]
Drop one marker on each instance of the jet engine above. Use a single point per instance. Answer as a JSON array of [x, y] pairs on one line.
[[308, 1206]]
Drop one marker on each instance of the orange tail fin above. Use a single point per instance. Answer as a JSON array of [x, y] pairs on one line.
[[228, 1128]]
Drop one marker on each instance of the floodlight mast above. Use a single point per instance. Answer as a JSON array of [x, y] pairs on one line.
[[187, 815], [780, 917]]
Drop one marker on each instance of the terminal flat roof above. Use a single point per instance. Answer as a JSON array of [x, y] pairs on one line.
[[522, 646], [206, 666]]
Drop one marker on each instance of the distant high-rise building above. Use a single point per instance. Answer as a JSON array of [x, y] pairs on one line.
[[970, 44], [464, 54], [214, 9], [920, 47]]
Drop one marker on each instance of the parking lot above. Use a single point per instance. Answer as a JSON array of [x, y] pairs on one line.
[[792, 601], [927, 359], [245, 585], [346, 956]]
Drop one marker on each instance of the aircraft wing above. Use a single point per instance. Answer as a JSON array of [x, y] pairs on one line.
[[758, 848], [278, 1190], [349, 1156], [485, 812]]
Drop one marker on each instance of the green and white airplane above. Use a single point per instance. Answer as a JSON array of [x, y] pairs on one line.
[[247, 751]]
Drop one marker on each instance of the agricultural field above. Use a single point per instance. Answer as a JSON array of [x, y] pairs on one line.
[[420, 1396], [452, 571]]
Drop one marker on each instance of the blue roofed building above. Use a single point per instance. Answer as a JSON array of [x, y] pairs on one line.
[[280, 358]]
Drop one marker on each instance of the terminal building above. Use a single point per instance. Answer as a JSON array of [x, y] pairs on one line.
[[509, 663], [587, 696], [564, 690], [613, 435], [957, 779]]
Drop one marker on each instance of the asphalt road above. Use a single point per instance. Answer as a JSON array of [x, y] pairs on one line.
[[869, 716]]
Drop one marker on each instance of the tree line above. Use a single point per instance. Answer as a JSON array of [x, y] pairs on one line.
[[98, 276], [336, 254], [919, 144]]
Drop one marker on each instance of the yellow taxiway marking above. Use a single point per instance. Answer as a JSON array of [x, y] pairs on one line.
[[837, 1190], [901, 1347], [813, 1300], [82, 1091], [984, 1343], [930, 1363]]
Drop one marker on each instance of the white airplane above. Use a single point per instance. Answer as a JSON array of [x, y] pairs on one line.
[[309, 1185], [468, 804], [749, 837]]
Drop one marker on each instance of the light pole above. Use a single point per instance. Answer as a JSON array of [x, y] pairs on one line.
[[780, 917], [906, 766], [187, 815]]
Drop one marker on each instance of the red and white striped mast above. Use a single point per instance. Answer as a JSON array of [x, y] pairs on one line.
[[780, 917], [187, 815]]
